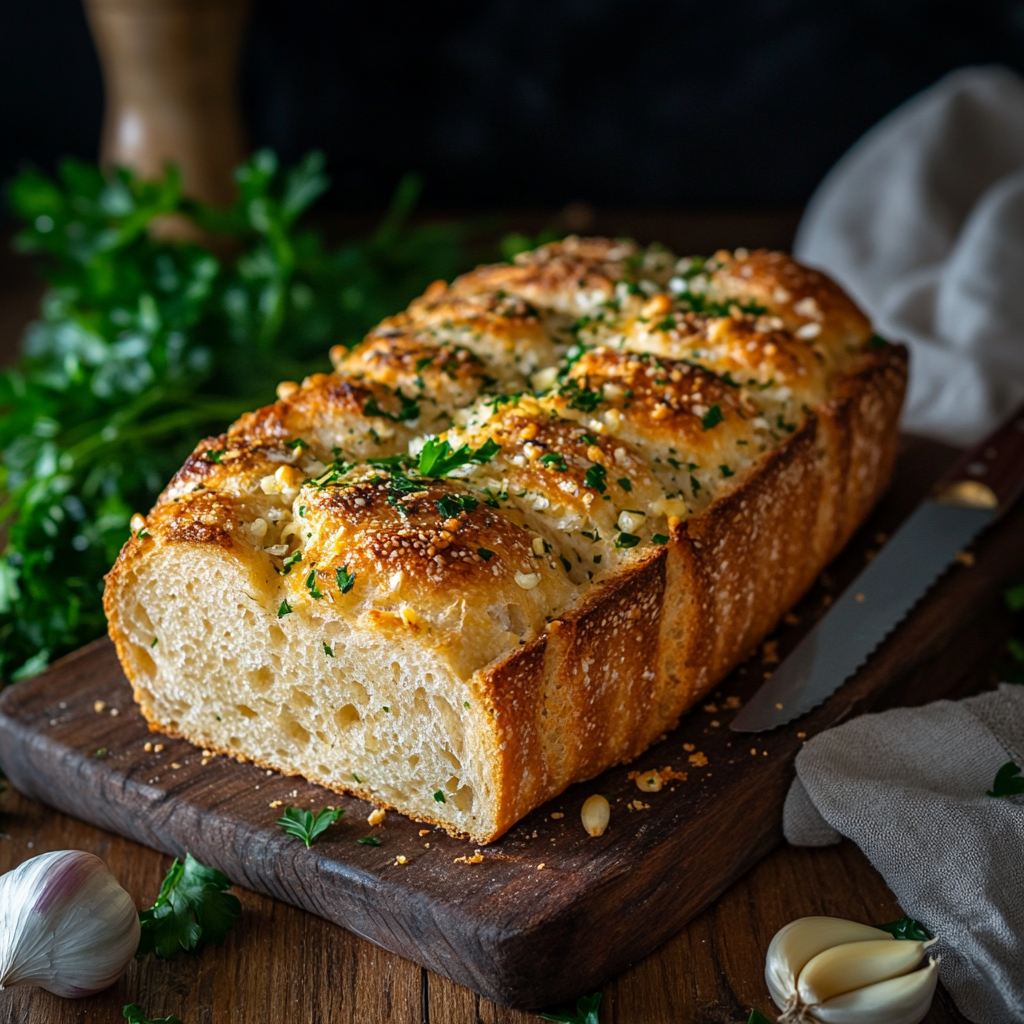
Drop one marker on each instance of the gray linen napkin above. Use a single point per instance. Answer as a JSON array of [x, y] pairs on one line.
[[908, 787], [922, 221]]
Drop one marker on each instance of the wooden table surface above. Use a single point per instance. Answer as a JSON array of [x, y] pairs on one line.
[[283, 965]]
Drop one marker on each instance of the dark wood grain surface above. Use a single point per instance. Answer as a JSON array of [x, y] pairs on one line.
[[516, 934]]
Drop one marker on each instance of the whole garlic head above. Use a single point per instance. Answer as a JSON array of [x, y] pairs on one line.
[[827, 970], [65, 925]]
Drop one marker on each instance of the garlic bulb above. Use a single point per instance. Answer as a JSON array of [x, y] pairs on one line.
[[65, 924], [825, 969]]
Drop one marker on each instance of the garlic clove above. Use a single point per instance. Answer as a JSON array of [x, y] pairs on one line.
[[800, 940], [855, 965], [903, 1000], [65, 925]]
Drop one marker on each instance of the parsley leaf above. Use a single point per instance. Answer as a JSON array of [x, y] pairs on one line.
[[485, 553], [452, 504], [369, 841], [346, 580], [214, 454], [625, 483], [439, 796], [712, 417], [134, 1013], [314, 590], [554, 460], [756, 1017], [283, 609], [659, 538], [1008, 781], [906, 928], [726, 471], [580, 397], [586, 1011], [626, 540], [328, 650], [297, 443], [438, 458], [286, 566], [595, 478], [306, 825], [193, 909]]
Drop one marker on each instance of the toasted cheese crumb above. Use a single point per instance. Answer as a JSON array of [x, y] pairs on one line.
[[377, 817], [401, 860], [699, 759], [557, 814], [276, 803], [147, 747], [159, 748], [99, 705], [477, 858]]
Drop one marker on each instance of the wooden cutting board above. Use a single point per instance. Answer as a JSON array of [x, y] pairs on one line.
[[549, 912]]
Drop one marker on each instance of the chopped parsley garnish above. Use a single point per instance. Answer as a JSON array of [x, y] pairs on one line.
[[101, 753], [756, 1017], [314, 590], [485, 553], [581, 398], [668, 324], [284, 608], [625, 483], [588, 439], [156, 640], [387, 709], [659, 538], [906, 928], [214, 454], [585, 1013], [302, 511], [292, 559], [877, 341], [1008, 781], [783, 425], [135, 1013], [346, 580], [712, 417], [356, 777], [674, 463], [726, 471], [439, 796], [452, 504], [566, 564], [409, 410], [369, 841], [306, 825], [438, 458], [465, 704], [142, 533], [694, 485], [328, 650], [297, 443], [554, 460], [595, 478], [192, 909], [626, 540]]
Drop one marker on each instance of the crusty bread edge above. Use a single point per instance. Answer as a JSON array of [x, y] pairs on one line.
[[682, 618]]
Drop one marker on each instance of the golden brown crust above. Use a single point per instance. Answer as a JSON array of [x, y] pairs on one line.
[[680, 448]]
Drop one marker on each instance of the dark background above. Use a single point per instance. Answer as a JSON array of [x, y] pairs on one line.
[[537, 103]]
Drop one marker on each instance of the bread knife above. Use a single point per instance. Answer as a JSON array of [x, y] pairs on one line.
[[976, 491]]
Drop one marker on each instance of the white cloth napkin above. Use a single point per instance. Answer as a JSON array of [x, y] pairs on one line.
[[922, 221], [908, 787]]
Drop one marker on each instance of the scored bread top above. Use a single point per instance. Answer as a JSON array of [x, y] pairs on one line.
[[479, 460]]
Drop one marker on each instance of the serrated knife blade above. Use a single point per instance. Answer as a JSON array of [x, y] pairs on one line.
[[975, 492]]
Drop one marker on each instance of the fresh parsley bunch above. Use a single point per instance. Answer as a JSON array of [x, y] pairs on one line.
[[146, 344]]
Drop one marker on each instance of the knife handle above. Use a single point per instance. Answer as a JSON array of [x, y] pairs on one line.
[[990, 475]]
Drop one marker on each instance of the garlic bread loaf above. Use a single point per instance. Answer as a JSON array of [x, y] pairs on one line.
[[517, 532]]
